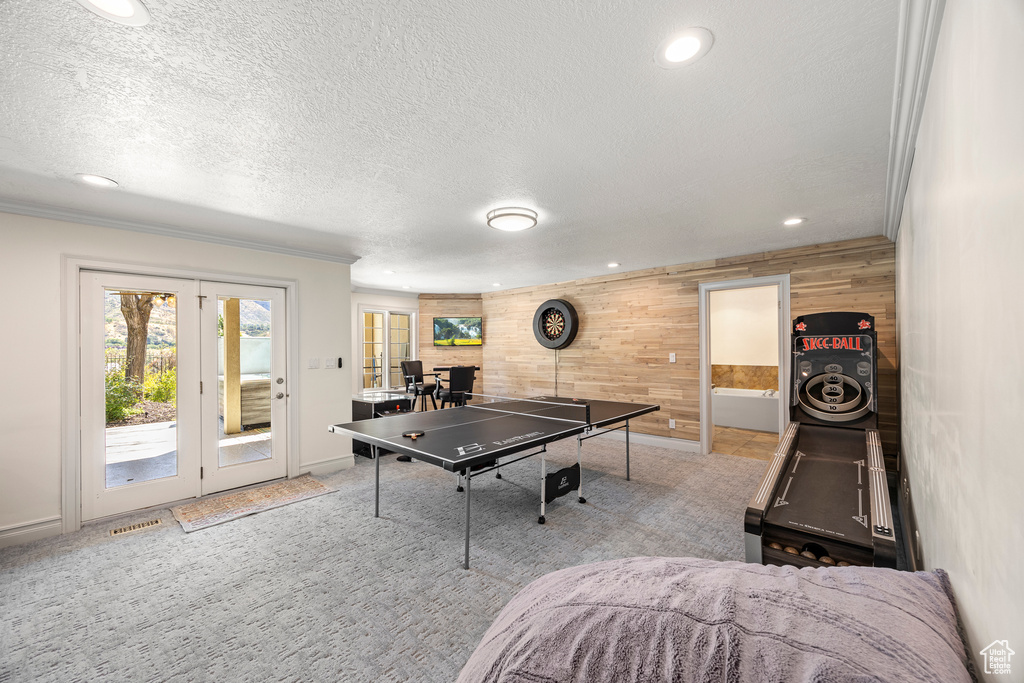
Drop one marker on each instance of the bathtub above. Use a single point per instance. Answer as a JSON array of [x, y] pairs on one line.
[[745, 409]]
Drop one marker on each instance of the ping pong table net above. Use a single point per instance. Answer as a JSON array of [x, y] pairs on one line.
[[545, 407]]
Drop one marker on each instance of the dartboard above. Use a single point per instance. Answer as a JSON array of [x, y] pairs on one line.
[[555, 324]]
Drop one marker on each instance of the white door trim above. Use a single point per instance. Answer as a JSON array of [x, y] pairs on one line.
[[704, 332], [71, 409]]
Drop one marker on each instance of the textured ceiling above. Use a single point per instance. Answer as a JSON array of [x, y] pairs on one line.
[[384, 131]]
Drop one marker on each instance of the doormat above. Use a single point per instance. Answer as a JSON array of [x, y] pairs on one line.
[[206, 513]]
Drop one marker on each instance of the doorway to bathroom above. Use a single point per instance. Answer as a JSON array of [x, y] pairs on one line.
[[744, 365]]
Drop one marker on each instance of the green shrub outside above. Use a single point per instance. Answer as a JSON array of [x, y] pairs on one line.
[[162, 387], [122, 395]]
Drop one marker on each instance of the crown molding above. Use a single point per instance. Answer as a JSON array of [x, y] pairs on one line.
[[71, 216], [405, 294], [917, 36]]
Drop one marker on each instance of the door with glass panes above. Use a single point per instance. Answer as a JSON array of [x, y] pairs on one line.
[[388, 339], [178, 400]]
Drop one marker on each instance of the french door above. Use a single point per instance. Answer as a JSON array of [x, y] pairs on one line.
[[183, 390], [389, 337], [244, 388]]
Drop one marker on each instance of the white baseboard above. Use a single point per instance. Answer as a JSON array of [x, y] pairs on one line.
[[32, 531], [652, 440], [329, 466]]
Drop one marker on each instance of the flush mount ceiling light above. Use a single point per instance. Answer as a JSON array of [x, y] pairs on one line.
[[613, 264], [128, 12], [793, 221], [512, 219], [684, 47], [95, 180]]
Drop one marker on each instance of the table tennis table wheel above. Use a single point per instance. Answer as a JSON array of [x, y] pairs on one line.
[[497, 475], [582, 499], [459, 488], [540, 520]]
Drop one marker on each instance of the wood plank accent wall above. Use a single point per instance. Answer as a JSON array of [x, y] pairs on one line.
[[630, 322], [451, 306]]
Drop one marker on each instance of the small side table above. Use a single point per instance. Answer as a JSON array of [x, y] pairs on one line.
[[377, 404]]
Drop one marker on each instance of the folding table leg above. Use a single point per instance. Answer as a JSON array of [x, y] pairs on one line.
[[627, 450], [543, 486], [469, 478], [579, 461], [376, 482]]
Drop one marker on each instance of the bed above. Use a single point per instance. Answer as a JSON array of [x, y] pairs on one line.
[[685, 619]]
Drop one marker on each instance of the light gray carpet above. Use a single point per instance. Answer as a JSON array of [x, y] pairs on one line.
[[321, 590]]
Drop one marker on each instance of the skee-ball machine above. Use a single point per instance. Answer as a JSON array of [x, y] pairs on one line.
[[824, 499]]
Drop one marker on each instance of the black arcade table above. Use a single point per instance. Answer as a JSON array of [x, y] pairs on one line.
[[469, 440]]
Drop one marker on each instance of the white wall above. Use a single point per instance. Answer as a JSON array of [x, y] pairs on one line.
[[745, 326], [32, 364], [960, 257]]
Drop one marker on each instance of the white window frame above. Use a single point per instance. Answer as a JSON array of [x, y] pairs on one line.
[[414, 347]]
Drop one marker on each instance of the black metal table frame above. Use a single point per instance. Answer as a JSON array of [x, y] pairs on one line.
[[468, 474]]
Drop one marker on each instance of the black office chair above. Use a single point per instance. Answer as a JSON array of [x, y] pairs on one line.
[[412, 371], [460, 385]]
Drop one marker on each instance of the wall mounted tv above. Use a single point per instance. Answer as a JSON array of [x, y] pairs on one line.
[[458, 331]]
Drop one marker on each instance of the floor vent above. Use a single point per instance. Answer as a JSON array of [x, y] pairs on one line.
[[134, 527]]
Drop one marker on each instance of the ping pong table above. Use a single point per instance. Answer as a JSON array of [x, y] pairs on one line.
[[469, 440]]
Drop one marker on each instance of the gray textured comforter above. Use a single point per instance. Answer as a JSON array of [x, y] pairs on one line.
[[684, 619]]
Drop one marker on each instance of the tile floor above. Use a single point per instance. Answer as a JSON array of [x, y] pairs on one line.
[[747, 443]]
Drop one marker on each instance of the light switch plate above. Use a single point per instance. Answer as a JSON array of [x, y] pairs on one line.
[[331, 363], [671, 424], [314, 363], [671, 358]]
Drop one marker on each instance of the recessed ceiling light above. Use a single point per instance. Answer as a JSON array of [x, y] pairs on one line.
[[512, 219], [405, 287], [128, 12], [389, 272], [613, 264], [793, 221], [95, 180], [496, 284], [684, 47]]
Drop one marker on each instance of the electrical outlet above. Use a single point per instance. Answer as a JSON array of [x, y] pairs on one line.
[[671, 424], [330, 363], [671, 358], [314, 363]]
